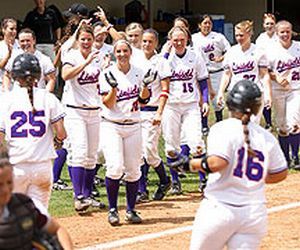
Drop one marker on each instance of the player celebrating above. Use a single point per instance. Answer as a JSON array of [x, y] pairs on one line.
[[182, 112], [29, 117], [81, 71], [151, 117], [123, 87], [234, 210], [284, 59], [245, 61], [213, 45]]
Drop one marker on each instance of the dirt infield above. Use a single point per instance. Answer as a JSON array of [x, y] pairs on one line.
[[178, 212]]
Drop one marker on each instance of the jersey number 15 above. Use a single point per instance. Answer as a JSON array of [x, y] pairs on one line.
[[37, 127]]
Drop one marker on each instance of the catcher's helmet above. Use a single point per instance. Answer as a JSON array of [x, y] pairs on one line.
[[245, 97], [25, 65]]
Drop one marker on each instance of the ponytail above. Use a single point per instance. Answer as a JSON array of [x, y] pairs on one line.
[[245, 120]]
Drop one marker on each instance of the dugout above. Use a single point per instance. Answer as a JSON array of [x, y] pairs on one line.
[[233, 10]]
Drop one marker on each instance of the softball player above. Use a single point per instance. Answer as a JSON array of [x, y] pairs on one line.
[[123, 86], [28, 116], [7, 45], [263, 41], [233, 212], [245, 61], [27, 41], [213, 45], [182, 112], [151, 117], [81, 71], [284, 59]]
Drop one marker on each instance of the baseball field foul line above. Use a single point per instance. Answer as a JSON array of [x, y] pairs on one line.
[[127, 241]]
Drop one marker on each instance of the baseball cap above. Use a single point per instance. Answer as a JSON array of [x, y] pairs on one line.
[[79, 8]]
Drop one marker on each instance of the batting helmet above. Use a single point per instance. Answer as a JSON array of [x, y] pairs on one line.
[[245, 97], [25, 65]]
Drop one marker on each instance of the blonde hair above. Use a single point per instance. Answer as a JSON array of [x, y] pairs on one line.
[[246, 26], [122, 41], [282, 23], [133, 26], [178, 28], [269, 15]]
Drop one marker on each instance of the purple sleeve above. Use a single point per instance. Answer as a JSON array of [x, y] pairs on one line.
[[166, 55], [204, 89]]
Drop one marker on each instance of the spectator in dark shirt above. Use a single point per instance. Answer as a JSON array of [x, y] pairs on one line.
[[46, 24]]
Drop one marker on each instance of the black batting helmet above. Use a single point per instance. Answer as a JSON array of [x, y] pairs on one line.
[[245, 97], [25, 65]]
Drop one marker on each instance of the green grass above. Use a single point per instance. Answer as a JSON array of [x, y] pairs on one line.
[[61, 203]]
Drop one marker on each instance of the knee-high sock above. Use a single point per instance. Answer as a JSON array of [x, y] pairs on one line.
[[112, 189], [70, 172], [89, 175], [143, 179], [294, 141], [285, 144], [267, 113], [59, 163], [185, 151], [204, 121], [161, 172], [77, 180], [131, 194], [219, 115], [174, 174], [201, 175]]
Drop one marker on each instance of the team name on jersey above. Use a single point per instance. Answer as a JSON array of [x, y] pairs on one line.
[[129, 93], [88, 78], [209, 48], [243, 67], [286, 65], [182, 75]]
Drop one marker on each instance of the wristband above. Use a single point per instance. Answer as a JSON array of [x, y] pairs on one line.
[[204, 165], [109, 26]]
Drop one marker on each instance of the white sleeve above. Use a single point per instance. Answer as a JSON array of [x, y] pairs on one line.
[[277, 162], [103, 84], [57, 111], [201, 68], [164, 69], [226, 44], [47, 66], [69, 58], [217, 147]]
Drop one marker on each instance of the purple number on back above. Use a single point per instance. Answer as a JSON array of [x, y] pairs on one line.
[[254, 169], [38, 127]]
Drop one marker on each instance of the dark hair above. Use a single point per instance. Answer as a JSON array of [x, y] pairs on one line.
[[245, 120], [153, 32], [4, 158], [201, 18], [28, 31], [182, 19]]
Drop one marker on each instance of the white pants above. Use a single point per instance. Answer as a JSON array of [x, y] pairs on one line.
[[287, 108], [185, 119], [215, 79], [82, 128], [34, 180], [123, 151], [218, 225], [150, 135]]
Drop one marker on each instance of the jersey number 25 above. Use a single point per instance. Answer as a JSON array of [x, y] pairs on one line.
[[37, 127]]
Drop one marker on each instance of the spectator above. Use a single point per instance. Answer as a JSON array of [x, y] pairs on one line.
[[45, 23]]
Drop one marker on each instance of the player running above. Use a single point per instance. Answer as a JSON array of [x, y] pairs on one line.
[[233, 212]]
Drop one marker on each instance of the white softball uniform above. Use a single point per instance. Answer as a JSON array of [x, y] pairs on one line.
[[234, 210], [46, 64], [245, 64], [213, 45], [30, 139], [121, 125], [286, 63], [150, 132], [182, 112], [82, 101], [264, 41]]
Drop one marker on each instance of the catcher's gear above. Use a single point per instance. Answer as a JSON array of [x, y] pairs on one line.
[[245, 97], [58, 143], [26, 65], [149, 77], [111, 80], [45, 241]]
